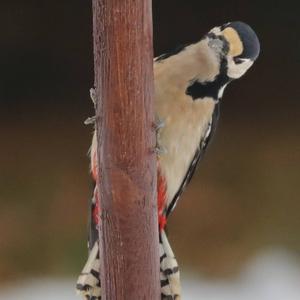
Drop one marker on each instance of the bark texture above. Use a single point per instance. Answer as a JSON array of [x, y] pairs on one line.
[[123, 55]]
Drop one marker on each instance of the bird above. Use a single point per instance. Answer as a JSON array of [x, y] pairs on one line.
[[189, 83]]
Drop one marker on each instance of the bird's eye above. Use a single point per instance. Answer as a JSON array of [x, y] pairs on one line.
[[238, 60]]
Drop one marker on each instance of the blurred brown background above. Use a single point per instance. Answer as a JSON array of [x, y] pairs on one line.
[[245, 195]]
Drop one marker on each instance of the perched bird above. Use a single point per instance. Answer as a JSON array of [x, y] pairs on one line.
[[189, 84]]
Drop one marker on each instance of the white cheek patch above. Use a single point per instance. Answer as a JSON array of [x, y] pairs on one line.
[[237, 70]]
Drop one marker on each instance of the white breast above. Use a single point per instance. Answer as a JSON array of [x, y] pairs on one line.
[[186, 122]]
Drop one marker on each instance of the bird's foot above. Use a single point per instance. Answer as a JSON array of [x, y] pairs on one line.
[[158, 124], [93, 95], [90, 121], [159, 149]]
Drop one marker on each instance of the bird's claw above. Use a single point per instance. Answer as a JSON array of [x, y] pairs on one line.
[[93, 95], [158, 124], [160, 150], [90, 120]]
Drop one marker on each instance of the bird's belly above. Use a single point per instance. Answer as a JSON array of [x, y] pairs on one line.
[[180, 138]]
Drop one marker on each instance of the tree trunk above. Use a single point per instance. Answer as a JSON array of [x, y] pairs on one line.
[[123, 54]]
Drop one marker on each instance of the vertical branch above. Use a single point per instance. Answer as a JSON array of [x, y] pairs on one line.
[[123, 54]]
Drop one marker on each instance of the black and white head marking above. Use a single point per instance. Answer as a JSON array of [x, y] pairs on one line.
[[212, 89], [236, 46]]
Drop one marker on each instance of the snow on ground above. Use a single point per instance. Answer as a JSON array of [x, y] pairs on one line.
[[273, 275]]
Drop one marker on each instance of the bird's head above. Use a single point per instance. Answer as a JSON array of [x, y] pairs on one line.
[[237, 44], [226, 53], [206, 67]]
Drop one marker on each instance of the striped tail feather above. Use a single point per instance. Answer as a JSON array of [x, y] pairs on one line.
[[88, 284], [169, 271]]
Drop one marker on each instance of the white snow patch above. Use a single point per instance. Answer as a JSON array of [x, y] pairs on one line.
[[272, 275]]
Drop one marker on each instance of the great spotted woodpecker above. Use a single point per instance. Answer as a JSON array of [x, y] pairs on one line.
[[189, 84]]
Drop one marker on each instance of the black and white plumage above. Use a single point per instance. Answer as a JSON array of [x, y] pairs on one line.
[[188, 88], [189, 84]]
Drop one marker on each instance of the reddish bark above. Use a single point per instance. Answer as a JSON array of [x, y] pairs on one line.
[[123, 55]]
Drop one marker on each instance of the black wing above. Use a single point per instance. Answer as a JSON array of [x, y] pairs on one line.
[[197, 157]]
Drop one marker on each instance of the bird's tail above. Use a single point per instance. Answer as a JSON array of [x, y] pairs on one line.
[[88, 284], [169, 271]]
